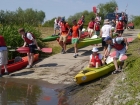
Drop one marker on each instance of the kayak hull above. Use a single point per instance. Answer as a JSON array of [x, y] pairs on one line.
[[50, 38], [90, 74], [15, 66]]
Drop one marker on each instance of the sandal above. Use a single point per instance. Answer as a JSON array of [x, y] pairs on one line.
[[116, 71]]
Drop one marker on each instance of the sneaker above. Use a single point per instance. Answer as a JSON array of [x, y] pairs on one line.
[[28, 66], [62, 51], [6, 73], [74, 56], [116, 71], [77, 54]]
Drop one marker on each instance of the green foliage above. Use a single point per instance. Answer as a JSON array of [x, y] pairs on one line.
[[49, 23], [136, 21], [20, 17]]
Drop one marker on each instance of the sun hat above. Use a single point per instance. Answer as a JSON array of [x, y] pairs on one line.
[[106, 21], [95, 49], [107, 38]]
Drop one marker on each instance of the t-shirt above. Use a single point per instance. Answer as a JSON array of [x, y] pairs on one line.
[[118, 40], [100, 56], [75, 33], [106, 30]]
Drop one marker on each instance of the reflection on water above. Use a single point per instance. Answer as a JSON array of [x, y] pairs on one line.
[[18, 93]]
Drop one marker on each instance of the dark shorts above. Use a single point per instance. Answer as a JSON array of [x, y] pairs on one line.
[[119, 31], [32, 48], [80, 28], [104, 43]]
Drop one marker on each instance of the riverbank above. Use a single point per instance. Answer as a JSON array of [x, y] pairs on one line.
[[61, 68]]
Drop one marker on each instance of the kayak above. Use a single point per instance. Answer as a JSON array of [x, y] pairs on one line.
[[49, 38], [87, 42], [90, 74], [84, 35], [138, 36], [18, 63]]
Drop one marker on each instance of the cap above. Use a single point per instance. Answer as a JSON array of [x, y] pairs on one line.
[[94, 49]]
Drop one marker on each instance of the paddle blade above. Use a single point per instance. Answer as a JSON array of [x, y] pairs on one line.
[[129, 40], [94, 10], [123, 57], [46, 50], [113, 54], [23, 50]]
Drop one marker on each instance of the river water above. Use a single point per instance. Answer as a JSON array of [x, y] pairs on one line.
[[30, 92]]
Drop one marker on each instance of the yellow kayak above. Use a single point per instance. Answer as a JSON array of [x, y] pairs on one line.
[[93, 73], [138, 36]]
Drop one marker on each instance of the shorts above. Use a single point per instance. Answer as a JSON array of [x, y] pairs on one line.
[[56, 27], [97, 33], [119, 31], [80, 28], [75, 40], [90, 30], [119, 53], [32, 48], [3, 57], [104, 43], [63, 38]]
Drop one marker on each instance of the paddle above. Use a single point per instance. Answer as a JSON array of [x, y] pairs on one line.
[[122, 57], [129, 40], [26, 50]]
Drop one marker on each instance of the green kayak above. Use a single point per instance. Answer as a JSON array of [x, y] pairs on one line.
[[49, 38]]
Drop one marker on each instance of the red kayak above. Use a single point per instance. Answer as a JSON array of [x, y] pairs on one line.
[[84, 35], [18, 63]]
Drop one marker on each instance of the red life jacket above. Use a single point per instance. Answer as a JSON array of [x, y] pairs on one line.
[[80, 21], [2, 41], [91, 24], [118, 46], [96, 59], [64, 27], [97, 27], [120, 25], [28, 41]]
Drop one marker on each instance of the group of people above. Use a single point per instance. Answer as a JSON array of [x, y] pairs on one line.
[[96, 59]]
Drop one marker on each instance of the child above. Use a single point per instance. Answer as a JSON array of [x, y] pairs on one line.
[[95, 58]]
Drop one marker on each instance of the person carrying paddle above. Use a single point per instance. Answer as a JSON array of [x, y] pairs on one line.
[[65, 31], [106, 30], [81, 23], [30, 41], [3, 56], [95, 58], [75, 37], [91, 27], [120, 44]]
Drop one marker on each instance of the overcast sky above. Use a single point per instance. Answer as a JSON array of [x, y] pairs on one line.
[[54, 8]]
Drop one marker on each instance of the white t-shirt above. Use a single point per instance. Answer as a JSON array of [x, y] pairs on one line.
[[106, 30], [100, 56]]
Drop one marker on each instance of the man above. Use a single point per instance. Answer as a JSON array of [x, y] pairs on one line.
[[57, 25], [65, 31], [81, 23], [120, 45], [91, 27], [75, 37], [3, 55], [120, 26], [29, 40], [106, 30]]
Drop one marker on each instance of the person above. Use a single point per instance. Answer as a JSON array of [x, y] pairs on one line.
[[57, 25], [120, 26], [65, 30], [95, 58], [120, 44], [81, 23], [124, 19], [91, 27], [30, 41], [97, 28], [98, 18], [3, 56], [105, 31], [75, 37]]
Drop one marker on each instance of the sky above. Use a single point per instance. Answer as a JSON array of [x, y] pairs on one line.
[[55, 8]]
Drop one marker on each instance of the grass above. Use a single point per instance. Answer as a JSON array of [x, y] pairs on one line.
[[48, 31]]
